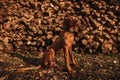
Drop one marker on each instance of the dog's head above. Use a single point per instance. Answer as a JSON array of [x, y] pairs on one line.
[[70, 23]]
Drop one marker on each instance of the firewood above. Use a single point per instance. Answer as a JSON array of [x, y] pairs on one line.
[[20, 43], [2, 47], [6, 26], [114, 50], [106, 47], [34, 25], [84, 41], [8, 47], [49, 36]]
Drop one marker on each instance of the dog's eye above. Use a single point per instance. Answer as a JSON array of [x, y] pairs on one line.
[[78, 24]]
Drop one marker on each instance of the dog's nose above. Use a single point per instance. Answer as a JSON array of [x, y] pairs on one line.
[[79, 23], [71, 29]]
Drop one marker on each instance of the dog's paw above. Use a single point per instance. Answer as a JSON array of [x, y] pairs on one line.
[[76, 64], [72, 71]]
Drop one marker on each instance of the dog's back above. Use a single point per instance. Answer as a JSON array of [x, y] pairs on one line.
[[64, 39]]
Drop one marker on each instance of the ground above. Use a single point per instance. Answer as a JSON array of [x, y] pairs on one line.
[[91, 67]]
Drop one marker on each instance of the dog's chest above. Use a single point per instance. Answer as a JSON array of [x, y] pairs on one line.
[[68, 38]]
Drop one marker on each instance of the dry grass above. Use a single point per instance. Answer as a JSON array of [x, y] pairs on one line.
[[91, 67]]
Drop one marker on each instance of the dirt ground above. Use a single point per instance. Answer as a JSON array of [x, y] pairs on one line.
[[91, 67]]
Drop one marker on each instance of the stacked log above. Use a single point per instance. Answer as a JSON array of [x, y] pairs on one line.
[[33, 25]]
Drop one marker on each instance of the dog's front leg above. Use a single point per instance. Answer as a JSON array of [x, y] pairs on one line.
[[67, 60], [52, 58], [72, 57]]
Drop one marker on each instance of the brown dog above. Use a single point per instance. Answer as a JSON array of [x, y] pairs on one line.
[[64, 41]]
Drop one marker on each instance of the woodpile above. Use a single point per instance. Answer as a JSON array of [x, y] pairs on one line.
[[34, 24]]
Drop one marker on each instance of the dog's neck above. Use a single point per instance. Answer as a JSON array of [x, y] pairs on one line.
[[64, 31], [67, 30]]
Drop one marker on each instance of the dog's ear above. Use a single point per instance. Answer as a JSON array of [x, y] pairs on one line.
[[78, 22], [75, 22]]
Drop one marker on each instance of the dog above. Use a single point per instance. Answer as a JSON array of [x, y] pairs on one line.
[[65, 42]]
